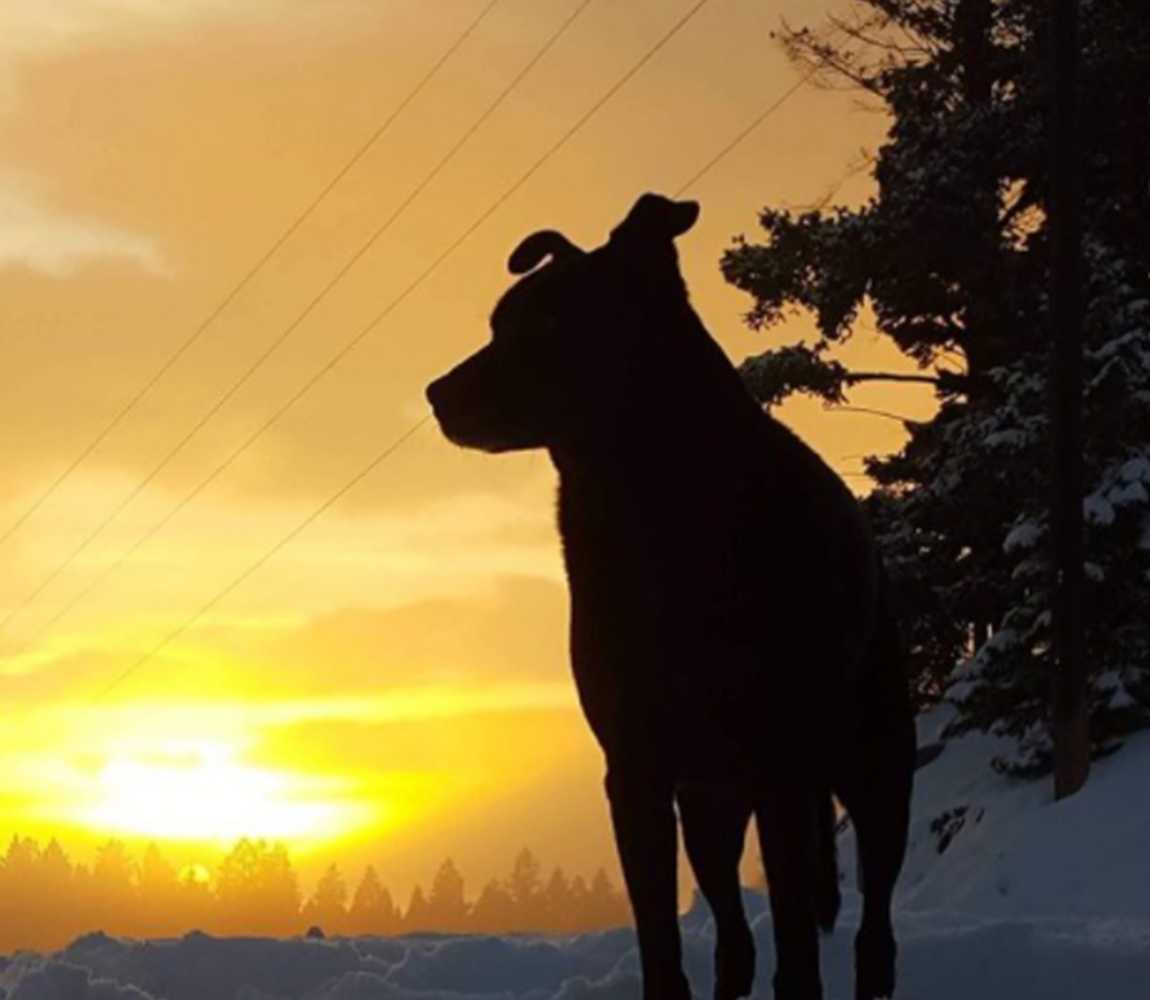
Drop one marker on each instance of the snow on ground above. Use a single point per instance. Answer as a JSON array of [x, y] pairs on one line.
[[1013, 853], [1026, 898]]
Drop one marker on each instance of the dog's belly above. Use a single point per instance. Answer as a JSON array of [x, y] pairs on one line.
[[698, 706]]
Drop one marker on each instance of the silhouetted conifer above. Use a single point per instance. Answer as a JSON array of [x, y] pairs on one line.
[[446, 907], [327, 906], [417, 916], [46, 901], [372, 909], [494, 910], [961, 509]]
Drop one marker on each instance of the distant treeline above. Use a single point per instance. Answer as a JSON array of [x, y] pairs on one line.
[[46, 900]]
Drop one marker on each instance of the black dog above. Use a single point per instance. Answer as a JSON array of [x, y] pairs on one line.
[[730, 635]]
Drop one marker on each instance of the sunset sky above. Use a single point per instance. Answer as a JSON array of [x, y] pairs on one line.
[[392, 685]]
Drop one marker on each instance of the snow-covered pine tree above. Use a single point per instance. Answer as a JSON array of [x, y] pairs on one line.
[[951, 255], [1005, 686]]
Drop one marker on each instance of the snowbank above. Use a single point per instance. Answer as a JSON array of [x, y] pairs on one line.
[[943, 957], [1006, 895], [1009, 851]]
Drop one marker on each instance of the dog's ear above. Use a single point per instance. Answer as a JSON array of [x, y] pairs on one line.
[[546, 243], [655, 218]]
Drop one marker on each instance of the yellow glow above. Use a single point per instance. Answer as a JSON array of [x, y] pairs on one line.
[[318, 773], [196, 873], [202, 793], [394, 681]]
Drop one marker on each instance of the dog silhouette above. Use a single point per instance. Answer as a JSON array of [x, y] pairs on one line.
[[732, 641]]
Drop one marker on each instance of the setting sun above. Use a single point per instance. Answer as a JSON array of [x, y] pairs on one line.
[[392, 686], [202, 793], [486, 482]]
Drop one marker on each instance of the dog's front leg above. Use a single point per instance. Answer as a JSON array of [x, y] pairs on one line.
[[646, 835]]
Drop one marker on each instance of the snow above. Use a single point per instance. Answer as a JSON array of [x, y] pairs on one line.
[[1010, 439], [1024, 535], [1021, 856], [1120, 696], [1125, 494], [1098, 510], [1027, 898], [1136, 470]]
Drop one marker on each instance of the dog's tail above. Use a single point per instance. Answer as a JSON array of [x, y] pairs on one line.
[[828, 899]]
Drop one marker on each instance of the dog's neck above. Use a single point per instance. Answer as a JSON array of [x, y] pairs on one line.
[[692, 414]]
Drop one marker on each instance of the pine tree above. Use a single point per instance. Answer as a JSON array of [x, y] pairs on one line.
[[257, 890], [160, 896], [55, 874], [558, 914], [32, 883], [447, 909], [578, 897], [327, 907], [525, 886], [417, 917], [196, 902], [951, 256], [17, 870], [372, 909], [494, 911], [115, 887], [605, 906]]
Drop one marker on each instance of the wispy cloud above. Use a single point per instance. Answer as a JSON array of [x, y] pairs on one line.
[[33, 28], [35, 236], [30, 25]]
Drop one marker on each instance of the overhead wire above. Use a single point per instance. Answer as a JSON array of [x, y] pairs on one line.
[[743, 134], [333, 499], [281, 339], [398, 300], [246, 279], [410, 432]]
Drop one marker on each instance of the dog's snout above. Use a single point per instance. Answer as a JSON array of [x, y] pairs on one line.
[[434, 393]]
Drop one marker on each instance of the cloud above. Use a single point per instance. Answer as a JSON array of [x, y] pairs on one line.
[[514, 633], [32, 25], [34, 236], [32, 29]]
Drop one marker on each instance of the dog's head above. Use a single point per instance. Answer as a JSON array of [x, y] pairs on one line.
[[569, 339]]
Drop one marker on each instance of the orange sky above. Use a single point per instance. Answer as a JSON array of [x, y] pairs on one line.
[[393, 684]]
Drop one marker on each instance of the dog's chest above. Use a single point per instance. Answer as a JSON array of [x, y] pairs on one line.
[[670, 561]]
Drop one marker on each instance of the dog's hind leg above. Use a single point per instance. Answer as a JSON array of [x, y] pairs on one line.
[[714, 818], [879, 808], [787, 818], [875, 788]]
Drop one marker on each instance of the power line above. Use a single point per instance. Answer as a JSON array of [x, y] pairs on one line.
[[355, 480], [244, 281], [390, 450], [375, 462], [275, 345], [755, 122], [359, 337]]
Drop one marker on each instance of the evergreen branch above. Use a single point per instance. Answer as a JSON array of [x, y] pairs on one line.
[[870, 411], [852, 377]]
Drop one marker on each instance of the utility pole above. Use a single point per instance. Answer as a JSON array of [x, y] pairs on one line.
[[1069, 708]]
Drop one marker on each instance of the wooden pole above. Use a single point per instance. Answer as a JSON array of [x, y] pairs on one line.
[[1069, 709]]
